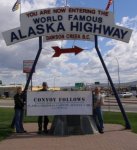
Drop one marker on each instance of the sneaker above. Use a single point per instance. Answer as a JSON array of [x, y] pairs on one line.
[[45, 131], [101, 131]]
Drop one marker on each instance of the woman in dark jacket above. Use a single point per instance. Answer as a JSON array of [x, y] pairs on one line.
[[19, 111]]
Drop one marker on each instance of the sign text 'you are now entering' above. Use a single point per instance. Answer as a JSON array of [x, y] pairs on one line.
[[67, 23]]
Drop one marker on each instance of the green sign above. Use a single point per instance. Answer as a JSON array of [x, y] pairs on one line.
[[97, 83], [79, 85]]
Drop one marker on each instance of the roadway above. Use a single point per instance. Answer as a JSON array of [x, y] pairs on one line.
[[9, 103], [130, 104]]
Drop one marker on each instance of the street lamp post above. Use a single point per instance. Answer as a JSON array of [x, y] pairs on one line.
[[118, 71], [54, 81]]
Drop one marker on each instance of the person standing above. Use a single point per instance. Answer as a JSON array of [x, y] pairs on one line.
[[98, 101], [19, 111], [40, 118]]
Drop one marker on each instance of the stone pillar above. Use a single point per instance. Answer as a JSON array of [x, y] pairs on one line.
[[73, 125]]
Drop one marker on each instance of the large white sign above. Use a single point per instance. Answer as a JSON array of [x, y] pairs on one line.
[[65, 24], [50, 16], [59, 103], [17, 35]]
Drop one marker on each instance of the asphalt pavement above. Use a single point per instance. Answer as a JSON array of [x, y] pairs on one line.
[[114, 138], [129, 104]]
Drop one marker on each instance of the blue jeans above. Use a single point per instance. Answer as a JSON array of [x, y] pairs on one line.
[[40, 120], [98, 117], [19, 120]]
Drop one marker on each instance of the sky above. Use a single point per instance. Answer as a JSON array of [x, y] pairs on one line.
[[69, 69]]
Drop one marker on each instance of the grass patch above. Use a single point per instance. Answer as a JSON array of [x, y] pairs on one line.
[[6, 115], [117, 118], [113, 117], [5, 120], [133, 119]]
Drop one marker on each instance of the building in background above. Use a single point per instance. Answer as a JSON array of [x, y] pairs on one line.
[[9, 90]]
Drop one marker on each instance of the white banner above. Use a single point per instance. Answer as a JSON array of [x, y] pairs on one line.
[[67, 24], [59, 19], [59, 103], [17, 35], [114, 32]]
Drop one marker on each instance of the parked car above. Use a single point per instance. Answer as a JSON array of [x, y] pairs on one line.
[[103, 94], [134, 93], [125, 94]]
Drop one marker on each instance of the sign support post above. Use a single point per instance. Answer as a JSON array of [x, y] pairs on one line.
[[27, 75], [127, 124], [34, 64]]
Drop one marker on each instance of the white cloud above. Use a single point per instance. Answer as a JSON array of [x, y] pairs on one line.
[[11, 58], [37, 4], [125, 52]]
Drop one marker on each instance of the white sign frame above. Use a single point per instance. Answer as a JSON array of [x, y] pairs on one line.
[[67, 25], [59, 103]]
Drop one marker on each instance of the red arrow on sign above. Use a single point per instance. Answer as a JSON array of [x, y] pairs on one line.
[[59, 51]]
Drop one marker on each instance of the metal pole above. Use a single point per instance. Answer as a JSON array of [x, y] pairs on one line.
[[66, 3], [108, 98], [54, 83], [27, 76], [31, 84], [34, 65], [127, 124], [118, 74]]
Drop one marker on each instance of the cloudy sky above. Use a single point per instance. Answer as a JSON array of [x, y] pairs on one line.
[[68, 68]]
